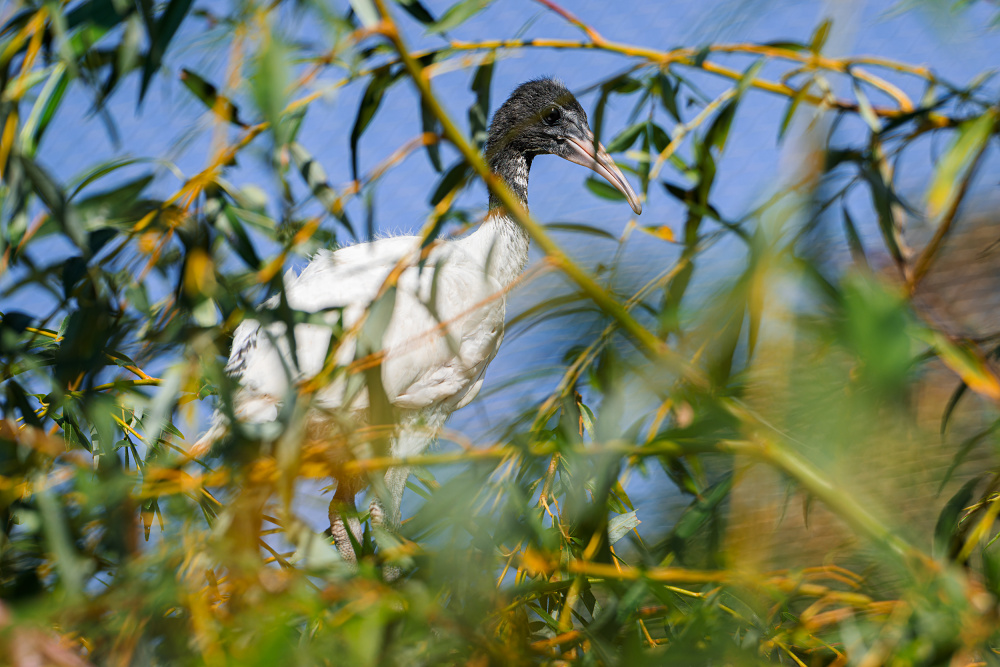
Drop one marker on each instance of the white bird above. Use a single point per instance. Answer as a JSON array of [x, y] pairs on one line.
[[447, 319]]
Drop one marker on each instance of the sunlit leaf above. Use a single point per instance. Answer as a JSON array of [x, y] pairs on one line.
[[209, 95], [964, 361], [458, 14], [969, 142]]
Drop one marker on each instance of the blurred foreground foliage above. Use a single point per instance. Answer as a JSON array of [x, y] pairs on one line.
[[117, 548]]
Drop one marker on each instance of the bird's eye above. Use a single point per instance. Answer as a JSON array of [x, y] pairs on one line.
[[551, 115]]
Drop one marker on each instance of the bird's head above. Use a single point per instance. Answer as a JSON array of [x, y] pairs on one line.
[[543, 117]]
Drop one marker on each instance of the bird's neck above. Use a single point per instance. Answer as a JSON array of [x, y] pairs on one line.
[[512, 167], [501, 241]]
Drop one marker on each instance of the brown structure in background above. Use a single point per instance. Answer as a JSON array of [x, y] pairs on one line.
[[772, 525]]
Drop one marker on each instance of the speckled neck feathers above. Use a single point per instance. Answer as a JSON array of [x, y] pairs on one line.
[[500, 241]]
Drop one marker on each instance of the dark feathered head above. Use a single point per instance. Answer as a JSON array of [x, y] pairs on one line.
[[543, 117]]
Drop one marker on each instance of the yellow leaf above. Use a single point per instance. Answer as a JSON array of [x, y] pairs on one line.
[[535, 562], [965, 362], [199, 276], [662, 232], [970, 140]]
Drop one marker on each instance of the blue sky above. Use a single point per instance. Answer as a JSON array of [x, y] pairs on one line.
[[170, 124]]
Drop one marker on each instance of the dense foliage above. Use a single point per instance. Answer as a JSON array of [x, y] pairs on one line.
[[117, 547]]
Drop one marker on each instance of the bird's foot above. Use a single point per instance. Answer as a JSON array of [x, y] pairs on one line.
[[377, 515], [342, 539]]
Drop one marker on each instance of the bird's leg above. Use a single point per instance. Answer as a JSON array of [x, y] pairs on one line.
[[388, 517], [344, 499]]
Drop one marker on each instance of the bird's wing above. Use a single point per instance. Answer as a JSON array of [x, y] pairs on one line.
[[445, 330], [343, 282], [446, 326]]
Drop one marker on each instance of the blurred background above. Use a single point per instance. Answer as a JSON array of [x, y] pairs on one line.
[[818, 250]]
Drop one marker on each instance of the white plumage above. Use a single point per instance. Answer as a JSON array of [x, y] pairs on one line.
[[447, 318]]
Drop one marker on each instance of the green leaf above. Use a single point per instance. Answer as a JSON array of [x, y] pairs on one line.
[[969, 142], [480, 109], [430, 123], [865, 108], [659, 137], [621, 525], [626, 138], [820, 35], [417, 10], [209, 95], [365, 10], [370, 102], [315, 177], [603, 189], [580, 228], [102, 13], [701, 510], [947, 526], [458, 14], [454, 178], [882, 200], [854, 239], [793, 104], [55, 200], [270, 82], [668, 95], [967, 446], [160, 35], [73, 569], [44, 108]]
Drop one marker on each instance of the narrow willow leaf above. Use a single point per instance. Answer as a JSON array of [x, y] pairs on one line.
[[668, 95], [603, 190], [970, 140], [72, 568], [458, 14], [314, 175], [819, 36], [659, 137], [45, 106], [366, 12], [209, 95], [963, 361], [791, 46], [793, 105], [370, 102], [269, 83], [626, 138], [101, 170], [865, 108], [480, 109], [159, 38], [662, 232], [55, 200], [619, 526], [430, 123], [454, 178], [581, 229], [701, 510], [947, 526], [882, 200], [963, 451], [103, 13], [417, 10], [854, 239]]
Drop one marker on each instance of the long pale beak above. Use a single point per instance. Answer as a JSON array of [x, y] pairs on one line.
[[581, 151]]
